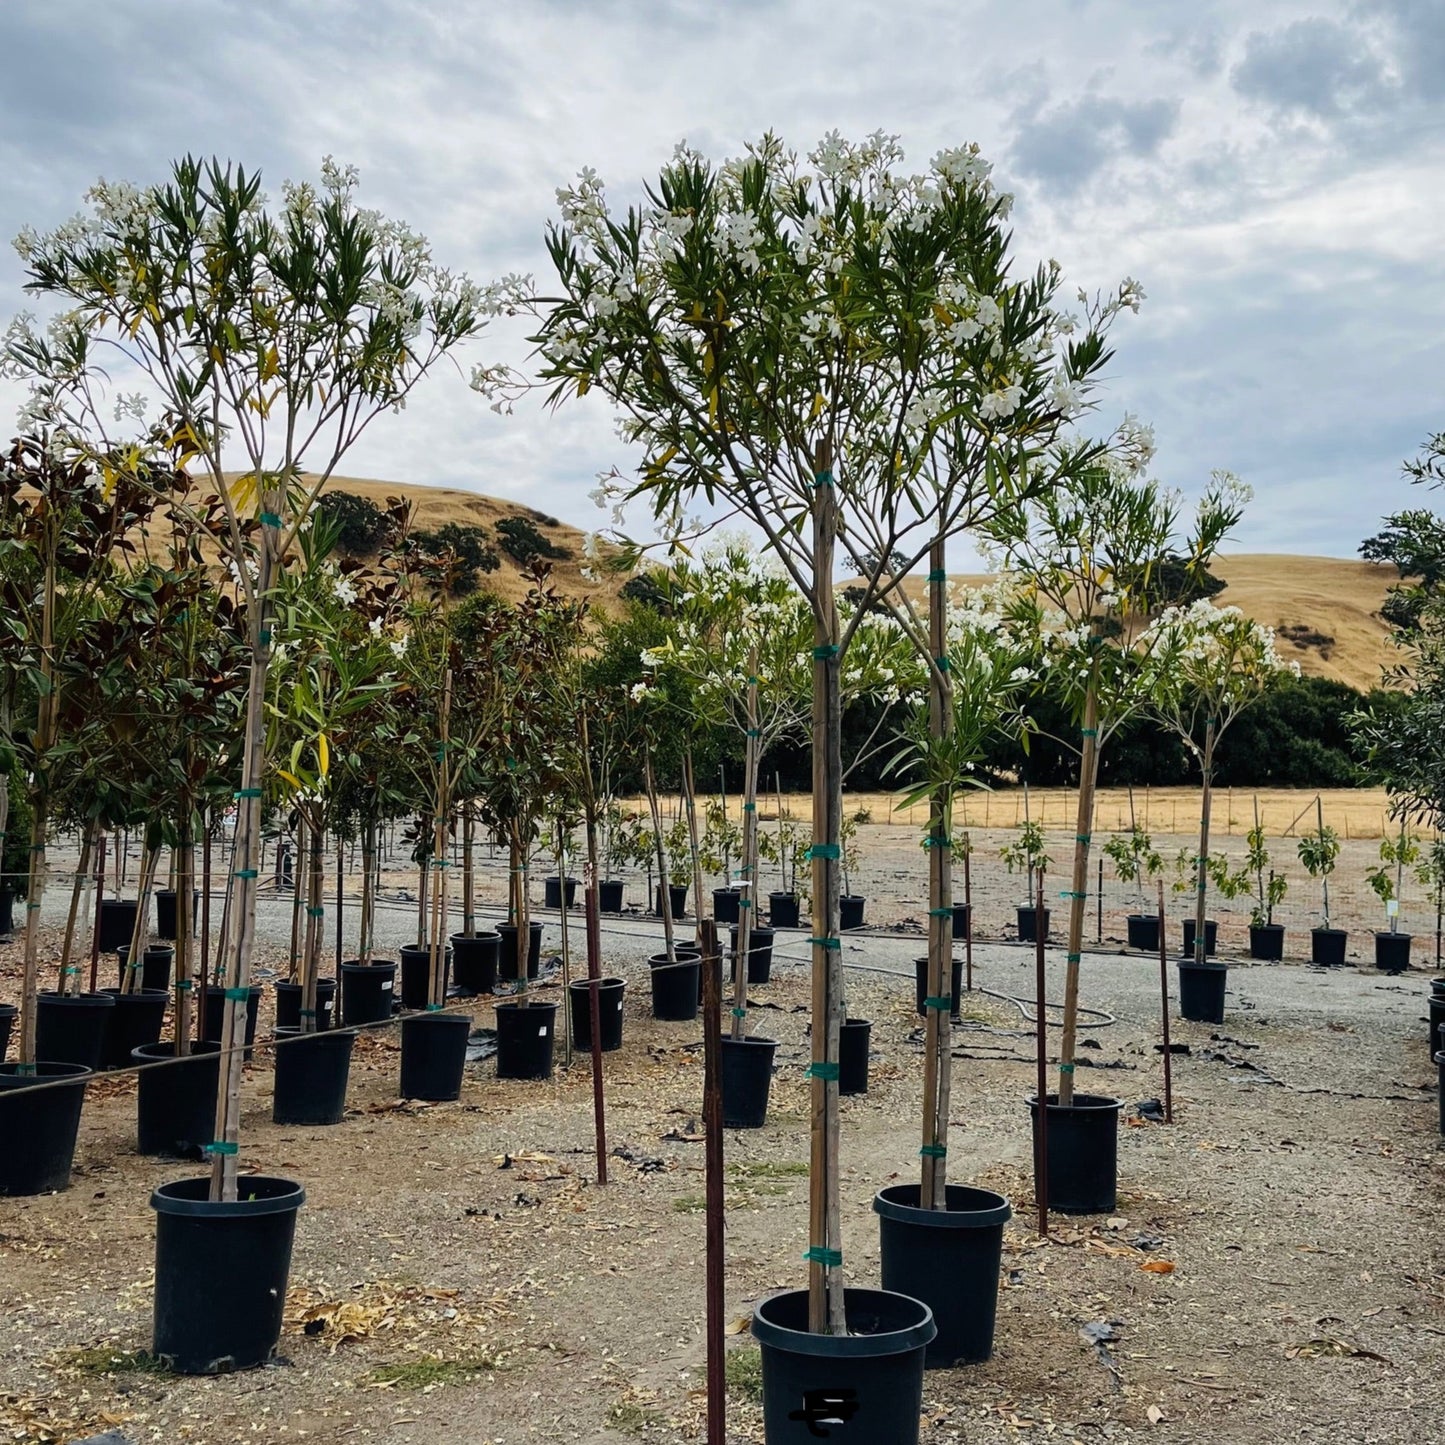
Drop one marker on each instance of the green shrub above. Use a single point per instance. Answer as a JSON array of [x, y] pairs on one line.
[[521, 541], [361, 526]]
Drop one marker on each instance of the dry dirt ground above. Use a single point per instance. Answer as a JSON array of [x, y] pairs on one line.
[[458, 1274]]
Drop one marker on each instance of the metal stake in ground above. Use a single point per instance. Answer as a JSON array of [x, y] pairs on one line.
[[712, 1123], [968, 912], [1041, 1032], [1164, 995]]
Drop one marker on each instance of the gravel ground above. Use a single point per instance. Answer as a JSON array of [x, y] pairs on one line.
[[464, 1277]]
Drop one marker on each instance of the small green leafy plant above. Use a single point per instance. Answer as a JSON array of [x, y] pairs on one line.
[[1135, 859], [1027, 853]]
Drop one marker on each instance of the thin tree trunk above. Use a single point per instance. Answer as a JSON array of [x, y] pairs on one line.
[[80, 887], [663, 881], [748, 869], [1078, 892], [315, 864], [1201, 886], [524, 922], [469, 874], [135, 959], [437, 985], [185, 980], [592, 904], [299, 871], [567, 948], [95, 916], [340, 904], [712, 1123]]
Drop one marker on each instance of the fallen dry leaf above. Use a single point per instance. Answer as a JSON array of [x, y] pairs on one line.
[[1158, 1266], [1155, 1415]]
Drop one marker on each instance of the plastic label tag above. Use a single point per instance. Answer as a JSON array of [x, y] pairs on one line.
[[386, 986], [542, 1032], [1392, 908]]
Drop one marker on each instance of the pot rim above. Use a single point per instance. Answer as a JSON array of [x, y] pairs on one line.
[[857, 1023], [73, 1000], [287, 1199], [803, 1342], [1329, 932], [535, 1007], [375, 963], [985, 1217], [748, 1040], [482, 935], [583, 984], [1083, 1104], [430, 1017], [200, 1048], [1210, 964], [51, 1071]]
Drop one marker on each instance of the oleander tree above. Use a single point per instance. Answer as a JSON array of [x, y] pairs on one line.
[[841, 355], [1084, 560], [263, 340], [1220, 662]]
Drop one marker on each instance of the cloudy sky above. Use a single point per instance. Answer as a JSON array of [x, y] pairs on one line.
[[1272, 171]]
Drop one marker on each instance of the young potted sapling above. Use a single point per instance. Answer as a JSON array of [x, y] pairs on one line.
[[1319, 851], [1028, 855], [1392, 948], [1266, 937], [1137, 862]]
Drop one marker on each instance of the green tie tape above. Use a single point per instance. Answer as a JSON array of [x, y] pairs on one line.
[[264, 637], [308, 1013], [820, 1254], [222, 1146], [184, 985], [825, 850], [1084, 838], [940, 913], [270, 519], [315, 912], [238, 995], [938, 575], [934, 1151], [1069, 893], [754, 732], [752, 681], [1066, 1068], [944, 665], [938, 840], [740, 1013], [1088, 732], [745, 903], [828, 650], [823, 479], [942, 1005], [750, 807], [831, 943], [432, 1008], [826, 1069], [1073, 958], [72, 968], [245, 873], [247, 793]]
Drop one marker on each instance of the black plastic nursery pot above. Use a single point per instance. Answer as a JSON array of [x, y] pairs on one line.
[[610, 992], [1211, 937], [962, 919], [552, 892], [507, 957], [783, 910], [525, 1035], [474, 961], [367, 992], [135, 1019], [1083, 1152], [311, 1075], [7, 912], [71, 1028], [1392, 952], [155, 964], [215, 1016], [1026, 922], [677, 897], [1327, 946], [416, 975], [747, 1073], [609, 895], [1435, 1003], [166, 911], [1143, 931], [434, 1055], [950, 1259], [920, 985], [37, 1130], [221, 1273], [1440, 1089], [850, 910], [675, 987], [760, 953], [8, 1013], [864, 1386], [288, 1004], [1266, 941], [1201, 991], [117, 922], [176, 1106], [725, 903], [854, 1038]]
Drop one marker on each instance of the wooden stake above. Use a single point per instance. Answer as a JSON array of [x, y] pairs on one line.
[[1078, 891], [593, 910], [750, 894], [712, 1122], [1041, 1013], [1164, 997], [968, 900], [1201, 900], [99, 899]]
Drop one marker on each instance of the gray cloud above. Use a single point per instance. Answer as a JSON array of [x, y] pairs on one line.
[[1314, 66], [1068, 143]]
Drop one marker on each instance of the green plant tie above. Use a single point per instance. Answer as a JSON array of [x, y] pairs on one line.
[[829, 943], [740, 1013], [938, 575], [307, 1013], [823, 479], [441, 862], [1066, 1068], [752, 681], [1073, 958], [270, 519], [237, 995], [184, 985], [755, 732], [264, 637], [944, 665], [32, 908], [934, 1151], [433, 1008], [750, 807], [25, 1071], [315, 912], [1084, 838], [135, 967], [245, 873], [825, 850], [822, 654], [825, 1069], [1069, 893], [938, 840], [1088, 732], [745, 902], [940, 913], [941, 1005], [223, 1146], [247, 793], [820, 1254], [71, 968]]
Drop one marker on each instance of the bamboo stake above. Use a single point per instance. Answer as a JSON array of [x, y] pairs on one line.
[[593, 915], [185, 982], [664, 894], [95, 922], [150, 861], [368, 892], [469, 880], [205, 904], [712, 1120], [70, 976], [748, 870], [1164, 999], [1201, 901], [297, 873], [315, 864], [1078, 891], [567, 953], [437, 982], [968, 902], [1041, 1013], [340, 904]]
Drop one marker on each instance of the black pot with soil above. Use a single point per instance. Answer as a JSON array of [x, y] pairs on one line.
[[920, 985], [854, 1039], [215, 1016], [117, 922], [8, 1014], [676, 984], [1083, 1152], [725, 904], [525, 1036], [677, 897], [760, 953], [1266, 941], [1440, 1089], [950, 1259], [38, 1128], [783, 911], [434, 1055], [367, 992], [288, 1004], [1143, 931], [747, 1075], [312, 1071], [962, 920], [135, 1019], [1028, 924], [609, 895], [176, 1105], [507, 957], [552, 892], [416, 975], [71, 1028], [850, 911], [1327, 947], [1201, 991], [155, 964], [610, 994], [1435, 1002], [474, 961], [7, 911], [864, 1385], [1392, 952], [1211, 937], [166, 911], [221, 1273]]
